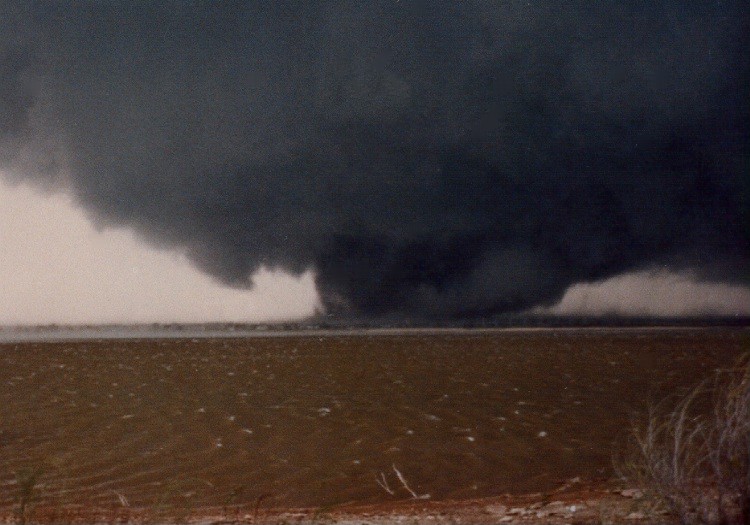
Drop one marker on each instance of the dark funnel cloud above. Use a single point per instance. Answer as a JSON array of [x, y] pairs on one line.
[[427, 159]]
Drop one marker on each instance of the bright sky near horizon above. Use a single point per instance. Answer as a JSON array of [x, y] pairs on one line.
[[56, 267], [653, 293]]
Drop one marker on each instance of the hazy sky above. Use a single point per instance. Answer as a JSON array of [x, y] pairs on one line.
[[653, 293], [432, 160], [55, 267]]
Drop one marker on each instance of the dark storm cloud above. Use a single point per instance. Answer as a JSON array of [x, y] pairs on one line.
[[434, 159]]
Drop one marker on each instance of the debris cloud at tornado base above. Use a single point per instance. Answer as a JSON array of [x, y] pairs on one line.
[[434, 160]]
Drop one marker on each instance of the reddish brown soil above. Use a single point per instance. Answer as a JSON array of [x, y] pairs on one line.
[[318, 421], [575, 502]]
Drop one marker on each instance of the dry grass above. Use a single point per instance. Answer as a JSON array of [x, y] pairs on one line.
[[693, 454], [26, 483]]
